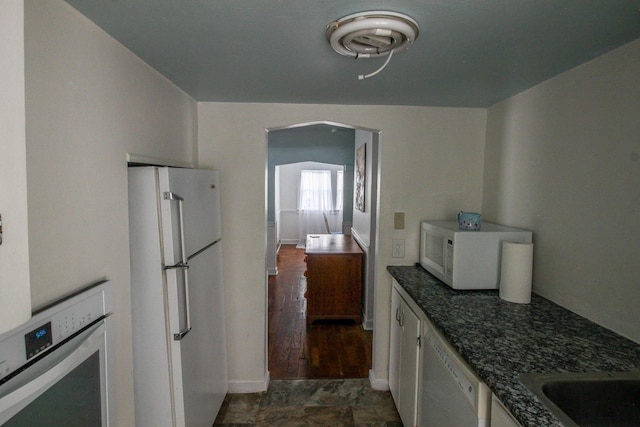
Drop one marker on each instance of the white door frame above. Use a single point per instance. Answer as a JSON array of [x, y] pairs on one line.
[[374, 226]]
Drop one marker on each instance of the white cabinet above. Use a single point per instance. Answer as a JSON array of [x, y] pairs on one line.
[[395, 338], [500, 416], [404, 355]]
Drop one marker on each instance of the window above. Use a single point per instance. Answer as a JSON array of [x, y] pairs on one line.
[[339, 190], [315, 190]]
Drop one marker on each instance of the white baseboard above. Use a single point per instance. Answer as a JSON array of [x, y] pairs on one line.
[[242, 387], [378, 384], [289, 241], [272, 271], [367, 324]]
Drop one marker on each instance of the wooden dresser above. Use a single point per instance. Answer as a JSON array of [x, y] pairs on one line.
[[334, 277]]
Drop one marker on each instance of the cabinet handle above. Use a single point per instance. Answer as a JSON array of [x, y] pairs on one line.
[[398, 314], [401, 317]]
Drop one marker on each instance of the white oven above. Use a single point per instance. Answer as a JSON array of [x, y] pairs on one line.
[[54, 368]]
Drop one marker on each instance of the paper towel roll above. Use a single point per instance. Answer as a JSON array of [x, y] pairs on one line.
[[516, 271]]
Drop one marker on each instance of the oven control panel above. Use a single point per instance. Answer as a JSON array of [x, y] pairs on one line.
[[51, 326], [38, 340]]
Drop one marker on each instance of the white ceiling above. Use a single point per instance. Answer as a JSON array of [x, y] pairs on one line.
[[470, 53]]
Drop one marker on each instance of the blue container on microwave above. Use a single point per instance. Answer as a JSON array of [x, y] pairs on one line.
[[469, 220]]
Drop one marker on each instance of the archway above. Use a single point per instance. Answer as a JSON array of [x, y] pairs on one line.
[[364, 223]]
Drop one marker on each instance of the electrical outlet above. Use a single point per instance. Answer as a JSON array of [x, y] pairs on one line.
[[398, 248]]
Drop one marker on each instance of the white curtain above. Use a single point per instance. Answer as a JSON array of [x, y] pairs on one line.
[[339, 190], [337, 213], [315, 203]]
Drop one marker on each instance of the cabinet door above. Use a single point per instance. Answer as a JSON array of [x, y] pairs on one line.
[[409, 351], [403, 358], [395, 340]]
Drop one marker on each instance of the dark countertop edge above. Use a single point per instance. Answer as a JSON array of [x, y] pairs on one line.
[[494, 365]]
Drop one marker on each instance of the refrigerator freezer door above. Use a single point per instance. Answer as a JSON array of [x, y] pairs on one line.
[[200, 192]]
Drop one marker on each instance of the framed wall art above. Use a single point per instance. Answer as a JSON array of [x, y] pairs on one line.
[[361, 174]]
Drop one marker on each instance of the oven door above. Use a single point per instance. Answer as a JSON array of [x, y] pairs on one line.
[[65, 387]]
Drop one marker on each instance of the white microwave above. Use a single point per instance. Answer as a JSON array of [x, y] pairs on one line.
[[465, 259]]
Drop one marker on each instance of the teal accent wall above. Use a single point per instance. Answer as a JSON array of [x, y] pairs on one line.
[[316, 143]]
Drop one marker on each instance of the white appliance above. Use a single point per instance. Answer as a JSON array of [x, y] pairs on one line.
[[465, 259], [54, 369], [452, 395], [179, 350]]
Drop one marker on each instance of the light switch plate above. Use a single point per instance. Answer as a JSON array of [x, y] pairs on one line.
[[398, 220]]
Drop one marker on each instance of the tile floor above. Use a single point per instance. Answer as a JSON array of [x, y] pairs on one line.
[[290, 403]]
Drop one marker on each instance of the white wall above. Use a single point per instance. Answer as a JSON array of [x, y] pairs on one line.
[[15, 295], [89, 101], [431, 167], [562, 159], [363, 229]]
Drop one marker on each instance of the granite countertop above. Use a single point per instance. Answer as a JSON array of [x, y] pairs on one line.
[[501, 340]]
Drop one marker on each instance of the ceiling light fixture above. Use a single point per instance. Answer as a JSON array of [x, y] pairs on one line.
[[372, 34]]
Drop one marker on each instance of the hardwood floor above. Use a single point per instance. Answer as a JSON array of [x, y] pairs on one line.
[[327, 349]]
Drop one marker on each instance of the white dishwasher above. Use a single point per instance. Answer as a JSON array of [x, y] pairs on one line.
[[452, 395]]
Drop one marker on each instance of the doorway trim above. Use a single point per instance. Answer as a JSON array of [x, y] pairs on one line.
[[373, 231]]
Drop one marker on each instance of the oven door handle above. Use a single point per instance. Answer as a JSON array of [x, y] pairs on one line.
[[38, 378]]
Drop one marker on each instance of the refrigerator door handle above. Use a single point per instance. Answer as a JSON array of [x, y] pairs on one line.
[[168, 195], [182, 265], [179, 265], [185, 271]]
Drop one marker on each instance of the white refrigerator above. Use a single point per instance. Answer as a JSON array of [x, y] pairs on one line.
[[179, 350]]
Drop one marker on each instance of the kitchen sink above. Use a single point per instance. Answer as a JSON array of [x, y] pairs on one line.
[[589, 399]]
